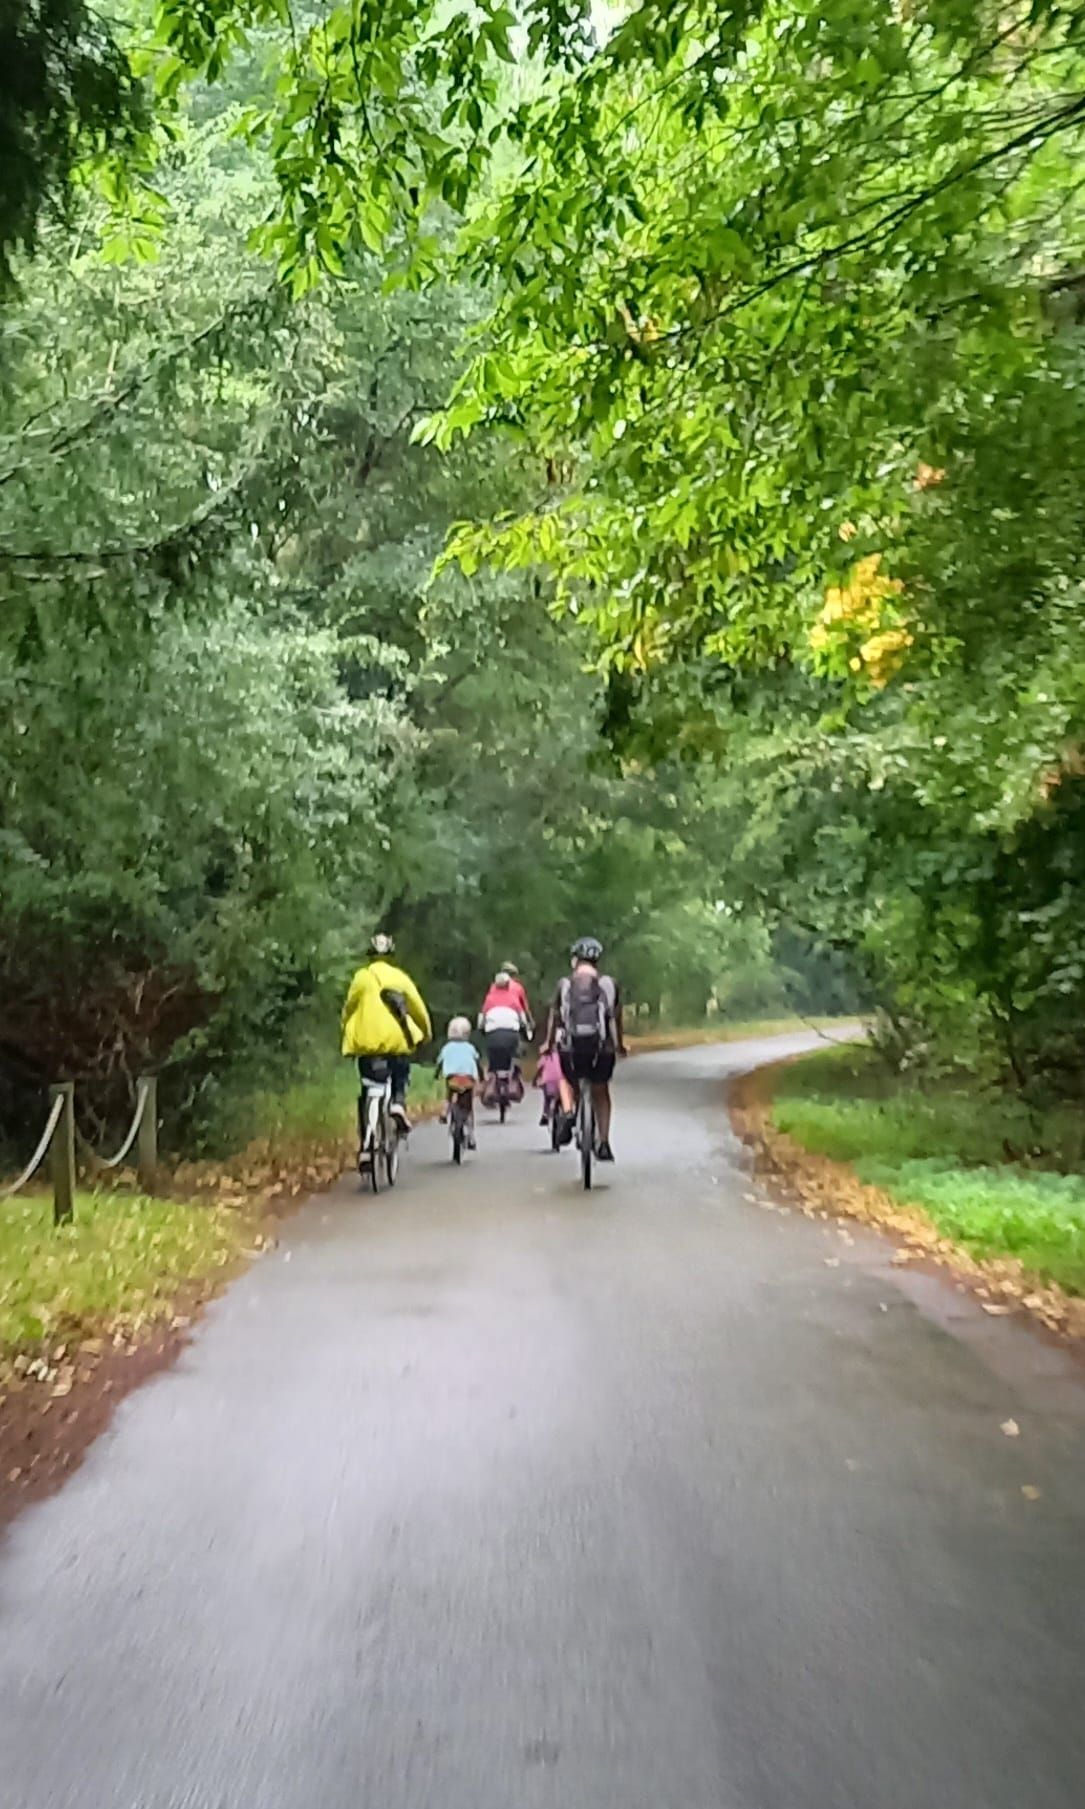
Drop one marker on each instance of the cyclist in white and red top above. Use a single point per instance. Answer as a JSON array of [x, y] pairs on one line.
[[503, 1023], [519, 993]]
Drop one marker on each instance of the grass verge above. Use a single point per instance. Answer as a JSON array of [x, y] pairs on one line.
[[994, 1178], [119, 1265]]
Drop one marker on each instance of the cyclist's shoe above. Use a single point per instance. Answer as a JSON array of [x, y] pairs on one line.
[[604, 1153], [545, 1119], [399, 1112], [442, 1115], [565, 1135], [470, 1140]]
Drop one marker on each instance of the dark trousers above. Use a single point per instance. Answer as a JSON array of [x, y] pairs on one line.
[[501, 1047], [396, 1068]]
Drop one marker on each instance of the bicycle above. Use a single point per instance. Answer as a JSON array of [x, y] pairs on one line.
[[379, 1132], [459, 1122]]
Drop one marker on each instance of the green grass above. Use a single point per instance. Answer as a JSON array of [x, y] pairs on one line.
[[316, 1109], [122, 1259], [125, 1257], [998, 1177]]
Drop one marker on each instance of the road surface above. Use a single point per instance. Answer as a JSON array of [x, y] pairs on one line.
[[491, 1495]]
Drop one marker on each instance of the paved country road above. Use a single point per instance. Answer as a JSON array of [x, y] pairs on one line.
[[491, 1495]]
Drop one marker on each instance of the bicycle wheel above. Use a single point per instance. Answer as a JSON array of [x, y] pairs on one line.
[[457, 1136], [555, 1128], [391, 1150], [502, 1107], [586, 1132], [371, 1148]]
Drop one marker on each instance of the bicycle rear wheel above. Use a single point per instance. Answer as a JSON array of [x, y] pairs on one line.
[[456, 1127], [586, 1132], [391, 1152]]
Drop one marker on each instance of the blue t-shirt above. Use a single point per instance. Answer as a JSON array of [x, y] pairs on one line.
[[458, 1058]]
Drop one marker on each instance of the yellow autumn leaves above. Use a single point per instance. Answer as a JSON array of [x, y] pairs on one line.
[[863, 607]]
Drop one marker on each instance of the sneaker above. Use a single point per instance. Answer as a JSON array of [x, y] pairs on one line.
[[399, 1112], [604, 1153], [470, 1140], [545, 1119]]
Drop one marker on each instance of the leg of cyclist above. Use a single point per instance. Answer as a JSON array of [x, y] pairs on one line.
[[399, 1072], [600, 1087], [568, 1097]]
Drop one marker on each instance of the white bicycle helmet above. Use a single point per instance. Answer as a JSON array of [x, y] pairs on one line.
[[459, 1030]]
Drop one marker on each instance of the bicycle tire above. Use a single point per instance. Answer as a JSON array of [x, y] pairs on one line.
[[391, 1152], [457, 1141], [555, 1128], [502, 1110], [587, 1136]]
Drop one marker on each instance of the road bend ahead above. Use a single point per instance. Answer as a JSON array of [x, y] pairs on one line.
[[490, 1495]]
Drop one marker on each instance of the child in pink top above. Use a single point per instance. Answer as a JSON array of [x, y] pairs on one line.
[[548, 1077]]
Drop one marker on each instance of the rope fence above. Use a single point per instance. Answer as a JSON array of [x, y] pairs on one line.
[[39, 1155], [58, 1141]]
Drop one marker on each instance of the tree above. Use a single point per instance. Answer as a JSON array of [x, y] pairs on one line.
[[68, 93]]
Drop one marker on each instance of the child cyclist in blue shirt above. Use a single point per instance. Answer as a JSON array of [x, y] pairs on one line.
[[458, 1065]]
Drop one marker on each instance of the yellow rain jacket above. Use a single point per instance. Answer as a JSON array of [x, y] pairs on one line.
[[370, 1027]]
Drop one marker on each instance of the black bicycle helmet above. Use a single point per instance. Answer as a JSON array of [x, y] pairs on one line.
[[381, 944], [587, 948]]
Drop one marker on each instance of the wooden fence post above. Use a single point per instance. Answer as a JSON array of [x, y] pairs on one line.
[[62, 1154], [147, 1146]]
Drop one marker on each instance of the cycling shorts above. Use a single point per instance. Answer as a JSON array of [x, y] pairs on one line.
[[593, 1063]]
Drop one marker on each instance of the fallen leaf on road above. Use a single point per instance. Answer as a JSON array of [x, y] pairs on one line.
[[990, 1307], [832, 1262], [1011, 1428], [1030, 1492]]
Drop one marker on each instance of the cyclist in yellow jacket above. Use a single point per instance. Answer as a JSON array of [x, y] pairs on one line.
[[384, 1021]]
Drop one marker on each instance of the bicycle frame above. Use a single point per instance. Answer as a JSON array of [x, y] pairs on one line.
[[380, 1140], [459, 1119]]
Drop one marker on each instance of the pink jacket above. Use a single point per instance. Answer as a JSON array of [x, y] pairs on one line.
[[548, 1073]]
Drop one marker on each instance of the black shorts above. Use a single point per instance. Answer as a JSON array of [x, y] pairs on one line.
[[594, 1064]]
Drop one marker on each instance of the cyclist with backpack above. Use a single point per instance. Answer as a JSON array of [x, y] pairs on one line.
[[585, 1027]]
